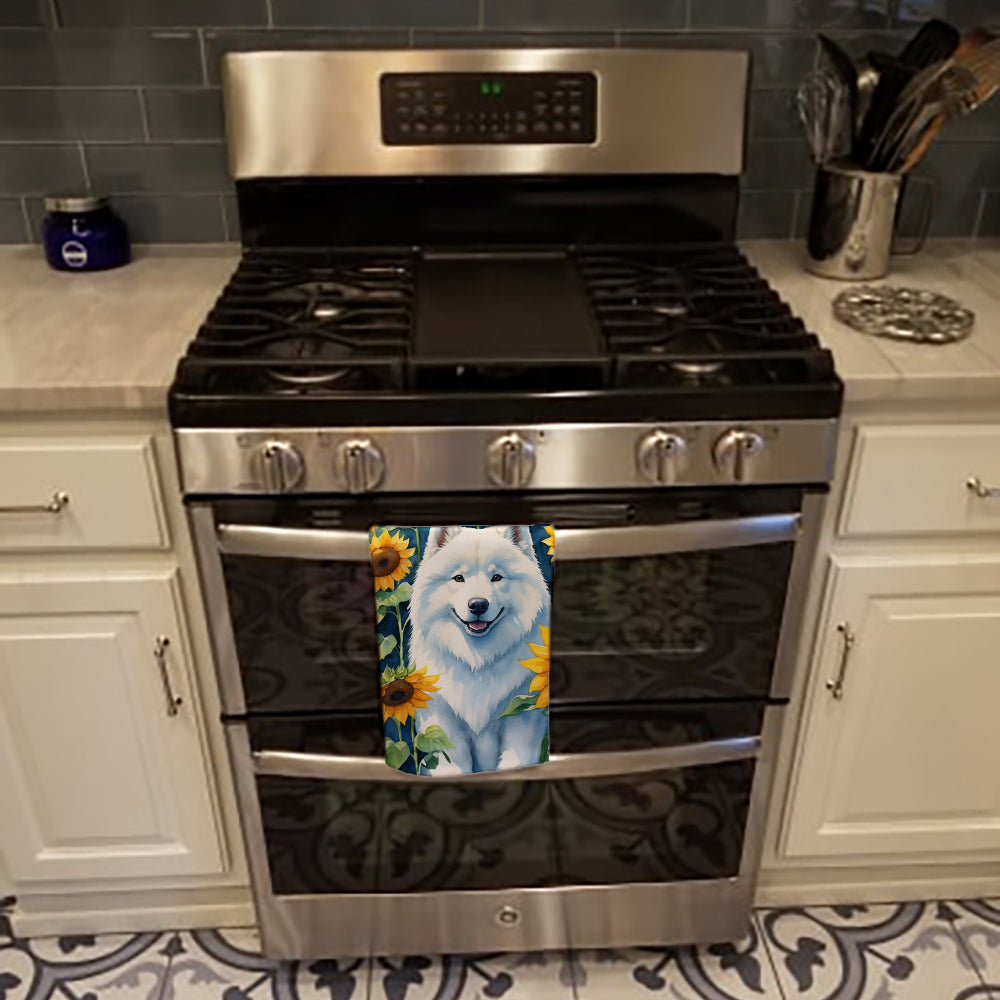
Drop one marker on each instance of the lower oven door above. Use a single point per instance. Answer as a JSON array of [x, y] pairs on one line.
[[650, 835]]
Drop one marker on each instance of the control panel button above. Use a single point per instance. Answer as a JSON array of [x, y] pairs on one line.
[[280, 467], [662, 456], [737, 452]]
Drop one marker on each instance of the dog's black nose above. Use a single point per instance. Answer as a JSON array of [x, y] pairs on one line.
[[478, 605]]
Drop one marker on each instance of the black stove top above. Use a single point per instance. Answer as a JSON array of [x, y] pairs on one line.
[[335, 336]]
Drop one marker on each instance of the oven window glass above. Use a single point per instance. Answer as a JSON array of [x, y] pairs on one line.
[[686, 625], [364, 837]]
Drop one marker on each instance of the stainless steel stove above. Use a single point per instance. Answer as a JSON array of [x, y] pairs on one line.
[[501, 287]]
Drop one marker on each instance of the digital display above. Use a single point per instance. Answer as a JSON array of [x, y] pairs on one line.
[[490, 88]]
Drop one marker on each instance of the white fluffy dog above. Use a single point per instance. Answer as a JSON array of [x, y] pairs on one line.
[[478, 598]]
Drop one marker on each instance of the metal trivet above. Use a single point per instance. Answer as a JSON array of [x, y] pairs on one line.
[[904, 314]]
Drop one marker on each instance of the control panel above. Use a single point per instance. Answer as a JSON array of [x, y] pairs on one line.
[[430, 109]]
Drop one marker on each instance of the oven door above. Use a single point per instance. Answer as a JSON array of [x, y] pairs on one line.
[[677, 594], [646, 830]]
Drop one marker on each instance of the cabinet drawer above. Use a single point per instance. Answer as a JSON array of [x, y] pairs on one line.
[[913, 480], [112, 497]]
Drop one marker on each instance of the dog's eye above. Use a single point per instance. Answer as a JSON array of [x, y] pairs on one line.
[[496, 578], [458, 578]]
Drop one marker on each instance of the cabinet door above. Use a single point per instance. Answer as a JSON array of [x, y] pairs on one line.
[[904, 763], [97, 779]]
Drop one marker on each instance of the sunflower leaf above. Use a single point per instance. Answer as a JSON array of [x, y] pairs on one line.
[[397, 753], [387, 676], [433, 738], [386, 645], [543, 754], [430, 761], [381, 611], [519, 704], [393, 598], [402, 670]]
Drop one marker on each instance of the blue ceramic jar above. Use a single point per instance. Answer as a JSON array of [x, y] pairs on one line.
[[81, 233]]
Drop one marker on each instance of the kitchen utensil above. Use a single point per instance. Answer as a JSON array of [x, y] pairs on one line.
[[852, 220], [935, 41], [822, 105], [866, 83], [912, 314], [842, 140], [893, 78]]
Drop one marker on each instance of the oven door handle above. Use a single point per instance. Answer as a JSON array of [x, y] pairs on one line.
[[571, 543], [327, 767]]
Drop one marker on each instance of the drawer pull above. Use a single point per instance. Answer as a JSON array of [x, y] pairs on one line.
[[836, 686], [58, 503], [160, 655], [975, 486]]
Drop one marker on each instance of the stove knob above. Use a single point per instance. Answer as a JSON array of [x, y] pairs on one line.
[[661, 457], [361, 465], [280, 466], [735, 453], [510, 461]]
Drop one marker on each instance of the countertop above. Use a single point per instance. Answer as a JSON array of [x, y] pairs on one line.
[[111, 340]]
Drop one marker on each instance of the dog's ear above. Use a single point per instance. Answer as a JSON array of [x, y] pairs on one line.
[[438, 537], [520, 535]]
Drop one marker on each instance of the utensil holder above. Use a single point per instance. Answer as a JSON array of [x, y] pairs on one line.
[[853, 220]]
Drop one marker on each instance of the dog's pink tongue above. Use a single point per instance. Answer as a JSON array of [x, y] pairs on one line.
[[478, 626]]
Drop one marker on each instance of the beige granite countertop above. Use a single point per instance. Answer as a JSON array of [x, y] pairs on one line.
[[107, 340], [110, 341]]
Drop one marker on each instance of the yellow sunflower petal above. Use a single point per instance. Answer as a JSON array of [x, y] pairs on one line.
[[544, 629], [543, 698], [539, 682]]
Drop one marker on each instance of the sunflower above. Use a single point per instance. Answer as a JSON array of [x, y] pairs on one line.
[[550, 540], [539, 665], [390, 558], [405, 694]]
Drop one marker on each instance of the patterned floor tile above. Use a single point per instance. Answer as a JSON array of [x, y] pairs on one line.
[[905, 951], [227, 965], [978, 924], [516, 976], [740, 971]]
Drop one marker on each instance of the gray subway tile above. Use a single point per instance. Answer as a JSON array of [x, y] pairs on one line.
[[70, 114], [570, 14], [160, 167], [376, 13], [989, 224], [783, 164], [178, 218], [958, 165], [89, 56], [983, 123], [184, 114], [962, 13], [217, 43], [788, 13], [159, 13], [25, 13], [513, 39], [953, 212], [777, 59], [12, 225], [765, 215], [42, 169], [773, 115]]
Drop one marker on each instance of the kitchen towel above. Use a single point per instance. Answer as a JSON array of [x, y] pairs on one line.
[[462, 621]]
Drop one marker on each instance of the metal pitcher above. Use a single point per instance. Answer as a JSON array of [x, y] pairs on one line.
[[853, 221]]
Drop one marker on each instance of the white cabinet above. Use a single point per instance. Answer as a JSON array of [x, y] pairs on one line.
[[98, 779], [902, 767]]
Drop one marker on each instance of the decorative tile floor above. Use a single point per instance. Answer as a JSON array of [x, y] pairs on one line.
[[910, 951]]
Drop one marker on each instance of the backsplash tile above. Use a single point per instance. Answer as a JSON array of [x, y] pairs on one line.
[[376, 13], [12, 226], [28, 169], [133, 85], [98, 56], [184, 114], [59, 113], [556, 14], [159, 13], [158, 167]]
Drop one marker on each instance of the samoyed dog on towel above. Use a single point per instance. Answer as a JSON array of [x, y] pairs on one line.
[[478, 598]]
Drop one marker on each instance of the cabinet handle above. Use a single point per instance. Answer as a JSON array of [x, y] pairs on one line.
[[56, 505], [160, 655], [975, 486], [836, 686]]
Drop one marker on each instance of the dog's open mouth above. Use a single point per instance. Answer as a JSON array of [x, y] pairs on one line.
[[478, 626]]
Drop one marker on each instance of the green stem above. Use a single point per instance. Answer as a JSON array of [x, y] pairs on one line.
[[399, 729], [399, 626], [413, 733], [416, 532]]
